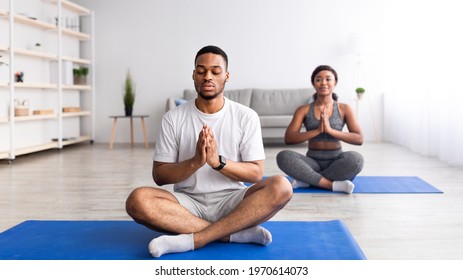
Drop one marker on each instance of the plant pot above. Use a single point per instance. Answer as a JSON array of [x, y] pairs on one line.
[[359, 96], [80, 80], [128, 111]]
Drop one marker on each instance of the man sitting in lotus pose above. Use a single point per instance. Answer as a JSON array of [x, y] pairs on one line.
[[207, 147]]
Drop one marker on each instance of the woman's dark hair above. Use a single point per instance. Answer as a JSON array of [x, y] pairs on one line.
[[318, 70], [214, 50]]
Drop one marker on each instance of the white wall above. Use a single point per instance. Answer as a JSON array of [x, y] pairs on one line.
[[423, 74], [270, 43]]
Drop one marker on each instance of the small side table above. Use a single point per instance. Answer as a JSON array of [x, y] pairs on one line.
[[113, 132]]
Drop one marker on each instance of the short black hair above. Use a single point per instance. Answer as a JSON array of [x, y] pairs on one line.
[[214, 50]]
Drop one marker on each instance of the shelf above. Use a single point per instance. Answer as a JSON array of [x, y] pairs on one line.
[[35, 117], [30, 53], [37, 54], [81, 36], [73, 7], [46, 26], [29, 118], [77, 60], [34, 22], [46, 146], [77, 140], [4, 155], [36, 148], [77, 87], [36, 85], [47, 88], [77, 114], [31, 85], [45, 117]]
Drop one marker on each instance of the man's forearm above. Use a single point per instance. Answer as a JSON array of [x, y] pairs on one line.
[[244, 171], [171, 173]]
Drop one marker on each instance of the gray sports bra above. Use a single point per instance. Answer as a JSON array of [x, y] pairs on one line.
[[336, 122]]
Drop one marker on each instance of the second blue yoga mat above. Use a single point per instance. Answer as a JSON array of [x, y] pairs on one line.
[[380, 184]]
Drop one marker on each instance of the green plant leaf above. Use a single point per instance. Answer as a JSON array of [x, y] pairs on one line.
[[129, 90], [360, 90]]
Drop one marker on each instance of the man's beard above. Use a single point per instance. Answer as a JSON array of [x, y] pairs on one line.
[[210, 97]]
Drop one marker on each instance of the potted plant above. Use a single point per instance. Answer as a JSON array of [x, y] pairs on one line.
[[129, 94], [80, 75], [360, 91]]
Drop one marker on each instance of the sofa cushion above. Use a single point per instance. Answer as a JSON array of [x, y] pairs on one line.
[[275, 121], [242, 96], [279, 101]]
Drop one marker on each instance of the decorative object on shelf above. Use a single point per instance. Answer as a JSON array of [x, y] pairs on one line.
[[64, 139], [71, 109], [80, 75], [19, 76], [72, 23], [43, 112], [360, 91], [21, 108], [129, 94], [37, 47]]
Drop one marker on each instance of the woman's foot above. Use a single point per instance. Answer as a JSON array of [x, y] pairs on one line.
[[343, 186]]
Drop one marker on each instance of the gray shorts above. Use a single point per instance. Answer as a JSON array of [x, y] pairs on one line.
[[211, 206]]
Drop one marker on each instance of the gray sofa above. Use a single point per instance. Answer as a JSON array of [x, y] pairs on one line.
[[275, 107]]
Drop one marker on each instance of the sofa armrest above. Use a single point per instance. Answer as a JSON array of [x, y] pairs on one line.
[[170, 103]]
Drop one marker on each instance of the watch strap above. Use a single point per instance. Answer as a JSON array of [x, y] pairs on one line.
[[222, 161]]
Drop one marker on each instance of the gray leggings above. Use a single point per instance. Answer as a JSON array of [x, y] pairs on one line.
[[333, 165]]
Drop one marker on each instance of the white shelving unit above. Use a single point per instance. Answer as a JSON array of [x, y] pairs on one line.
[[66, 44]]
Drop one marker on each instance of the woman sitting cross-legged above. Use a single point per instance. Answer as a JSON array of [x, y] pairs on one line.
[[325, 164]]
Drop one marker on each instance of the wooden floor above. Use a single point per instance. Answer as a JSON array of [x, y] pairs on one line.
[[90, 182]]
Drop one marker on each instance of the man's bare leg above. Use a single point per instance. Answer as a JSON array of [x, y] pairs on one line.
[[261, 202], [160, 210]]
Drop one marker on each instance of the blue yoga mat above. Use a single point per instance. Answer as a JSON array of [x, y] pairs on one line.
[[380, 184], [126, 240]]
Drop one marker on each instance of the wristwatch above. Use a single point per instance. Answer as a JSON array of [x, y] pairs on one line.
[[223, 161]]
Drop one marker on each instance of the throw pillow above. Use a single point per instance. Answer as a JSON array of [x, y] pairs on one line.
[[180, 101]]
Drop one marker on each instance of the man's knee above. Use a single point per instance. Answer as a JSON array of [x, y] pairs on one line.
[[281, 187], [136, 201]]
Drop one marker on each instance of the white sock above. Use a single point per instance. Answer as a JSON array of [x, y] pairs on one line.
[[299, 184], [343, 186], [255, 234], [166, 244]]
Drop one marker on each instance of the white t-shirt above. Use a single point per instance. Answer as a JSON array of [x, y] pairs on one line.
[[236, 129]]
